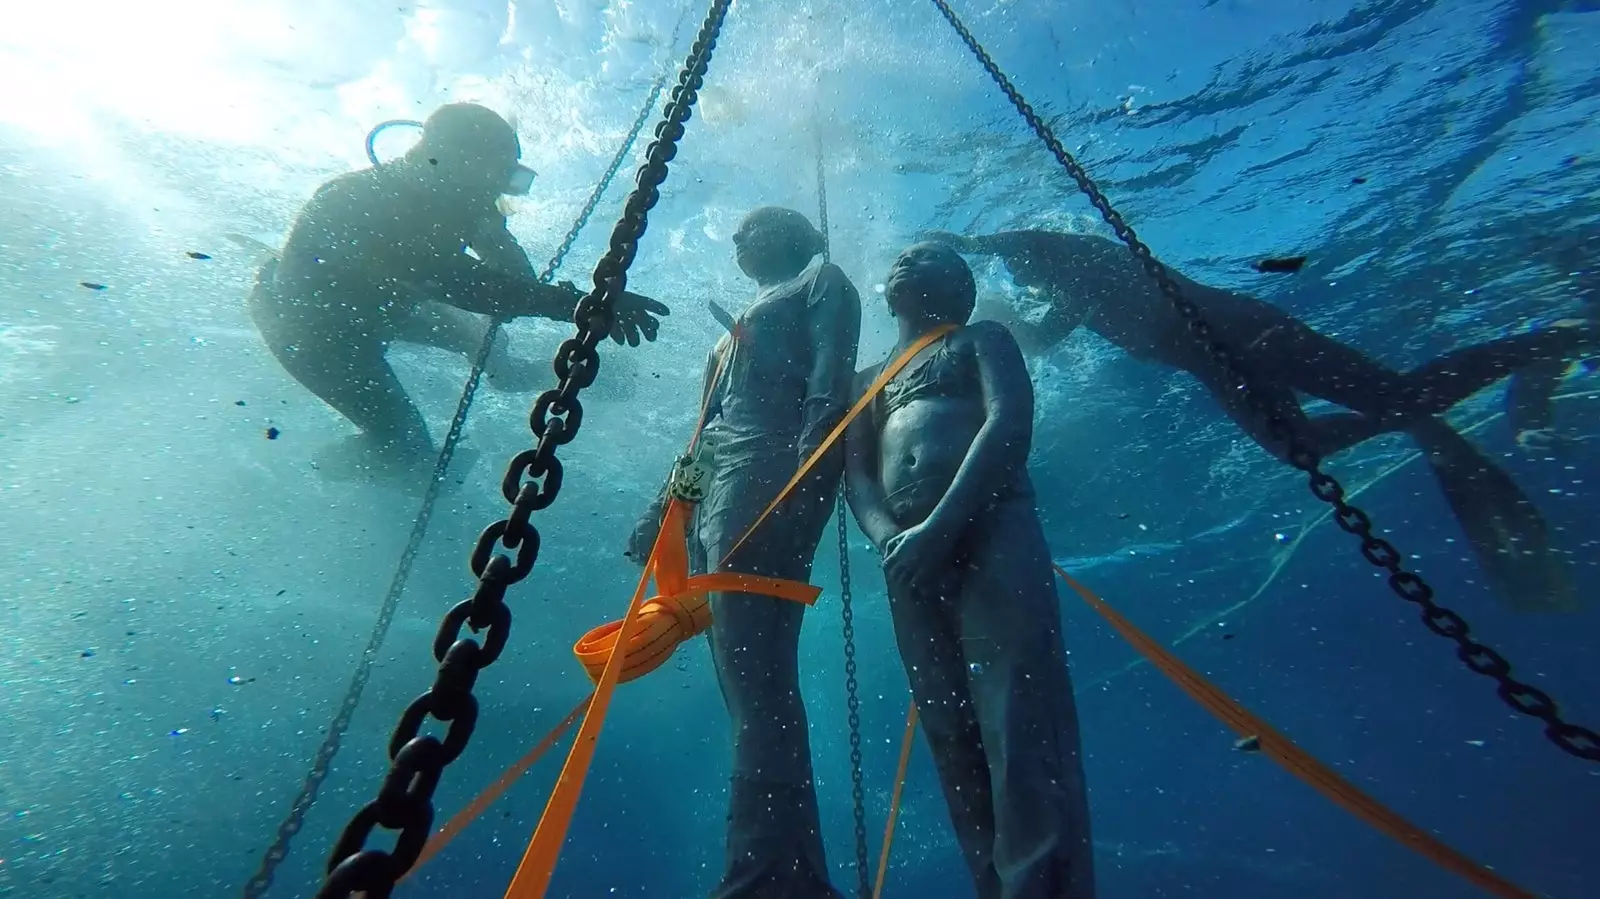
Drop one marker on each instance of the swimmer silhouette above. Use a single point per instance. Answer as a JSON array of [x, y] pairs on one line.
[[785, 384], [1097, 283], [937, 477], [380, 255]]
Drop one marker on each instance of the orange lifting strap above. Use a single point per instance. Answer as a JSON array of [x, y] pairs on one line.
[[680, 613], [1273, 743]]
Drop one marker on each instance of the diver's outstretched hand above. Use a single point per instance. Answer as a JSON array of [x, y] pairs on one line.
[[634, 314]]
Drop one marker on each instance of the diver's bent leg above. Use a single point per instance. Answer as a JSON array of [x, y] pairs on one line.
[[1269, 392], [1451, 378], [774, 844], [461, 332], [1010, 630], [359, 384], [925, 632]]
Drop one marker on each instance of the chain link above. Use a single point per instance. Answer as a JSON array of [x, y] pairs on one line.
[[405, 803], [858, 795], [1579, 741]]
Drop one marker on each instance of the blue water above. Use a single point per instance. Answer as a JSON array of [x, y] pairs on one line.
[[184, 599]]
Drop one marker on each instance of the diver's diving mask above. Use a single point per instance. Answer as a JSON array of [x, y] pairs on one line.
[[521, 180]]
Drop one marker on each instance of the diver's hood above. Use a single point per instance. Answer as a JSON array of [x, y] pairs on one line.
[[518, 184]]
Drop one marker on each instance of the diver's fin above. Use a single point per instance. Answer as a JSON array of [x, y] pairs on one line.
[[721, 315], [1506, 531]]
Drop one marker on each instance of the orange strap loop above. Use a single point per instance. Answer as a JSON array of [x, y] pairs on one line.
[[680, 611], [539, 861]]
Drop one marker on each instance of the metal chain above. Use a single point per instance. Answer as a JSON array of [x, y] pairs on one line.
[[1529, 700], [531, 483], [261, 881], [858, 795]]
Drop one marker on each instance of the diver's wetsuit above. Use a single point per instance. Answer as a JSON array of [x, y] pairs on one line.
[[377, 256], [784, 386], [368, 262], [981, 640], [1097, 283]]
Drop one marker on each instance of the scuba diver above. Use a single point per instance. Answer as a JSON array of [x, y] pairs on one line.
[[1532, 389], [380, 255], [1097, 283], [937, 475], [775, 387]]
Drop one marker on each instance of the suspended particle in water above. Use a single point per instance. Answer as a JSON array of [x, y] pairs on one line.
[[194, 255], [1251, 743], [1281, 537], [93, 285], [272, 433]]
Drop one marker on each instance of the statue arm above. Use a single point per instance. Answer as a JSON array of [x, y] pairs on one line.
[[863, 486], [835, 324]]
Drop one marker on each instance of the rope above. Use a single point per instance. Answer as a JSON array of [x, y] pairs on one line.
[[858, 794], [323, 760]]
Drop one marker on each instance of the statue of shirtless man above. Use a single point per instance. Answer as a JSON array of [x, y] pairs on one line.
[[937, 477], [380, 255], [1097, 283]]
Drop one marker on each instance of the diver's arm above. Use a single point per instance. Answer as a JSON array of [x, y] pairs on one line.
[[863, 487], [496, 246], [475, 286], [835, 324], [1001, 243], [1000, 449]]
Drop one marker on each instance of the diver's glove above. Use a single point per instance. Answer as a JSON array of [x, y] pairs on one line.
[[633, 314]]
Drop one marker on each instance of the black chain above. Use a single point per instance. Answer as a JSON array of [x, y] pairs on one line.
[[322, 761], [405, 801], [858, 795], [1529, 700]]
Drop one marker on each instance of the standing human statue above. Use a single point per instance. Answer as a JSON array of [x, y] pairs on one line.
[[937, 475], [774, 387]]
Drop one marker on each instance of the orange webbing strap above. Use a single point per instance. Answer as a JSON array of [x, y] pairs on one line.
[[883, 378], [1298, 762], [494, 791], [894, 800], [680, 611], [539, 861]]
